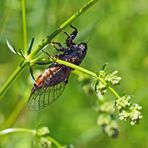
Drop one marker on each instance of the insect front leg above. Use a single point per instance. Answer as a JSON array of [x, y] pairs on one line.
[[53, 58], [71, 37], [69, 40], [59, 48], [74, 33], [64, 32]]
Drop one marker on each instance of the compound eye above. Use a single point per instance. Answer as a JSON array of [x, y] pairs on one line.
[[83, 46]]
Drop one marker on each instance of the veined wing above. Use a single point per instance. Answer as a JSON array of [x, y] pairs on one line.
[[44, 96]]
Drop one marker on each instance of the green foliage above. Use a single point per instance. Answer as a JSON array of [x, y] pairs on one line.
[[116, 32]]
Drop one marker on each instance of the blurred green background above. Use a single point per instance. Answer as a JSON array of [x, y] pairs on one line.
[[117, 31]]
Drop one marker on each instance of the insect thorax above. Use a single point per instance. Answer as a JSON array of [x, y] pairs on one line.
[[75, 54]]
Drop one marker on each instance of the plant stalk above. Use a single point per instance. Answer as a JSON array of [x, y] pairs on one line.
[[76, 67], [55, 142], [16, 130], [44, 42], [61, 27], [24, 23], [13, 76], [94, 75]]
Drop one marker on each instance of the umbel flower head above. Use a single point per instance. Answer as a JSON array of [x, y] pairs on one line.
[[128, 111], [107, 108]]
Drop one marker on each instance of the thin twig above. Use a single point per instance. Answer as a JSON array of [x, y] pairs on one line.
[[24, 23], [44, 42]]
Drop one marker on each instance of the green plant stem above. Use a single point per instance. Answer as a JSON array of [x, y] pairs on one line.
[[55, 142], [42, 44], [61, 27], [13, 76], [76, 67], [109, 87], [14, 114], [87, 72], [16, 130], [114, 92], [29, 131], [24, 23], [22, 66]]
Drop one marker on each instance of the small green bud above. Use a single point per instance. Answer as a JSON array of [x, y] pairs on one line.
[[103, 119], [135, 114], [102, 74], [107, 107], [43, 131], [100, 88], [124, 115], [112, 129], [45, 143], [112, 78], [122, 102], [68, 146]]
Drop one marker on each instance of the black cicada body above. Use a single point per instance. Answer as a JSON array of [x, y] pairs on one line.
[[51, 83]]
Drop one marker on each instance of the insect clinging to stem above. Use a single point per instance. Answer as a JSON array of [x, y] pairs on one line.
[[51, 83]]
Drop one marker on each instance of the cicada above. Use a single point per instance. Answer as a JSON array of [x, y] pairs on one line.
[[51, 83]]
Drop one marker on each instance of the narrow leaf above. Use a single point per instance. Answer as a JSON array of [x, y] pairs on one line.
[[11, 47], [30, 46]]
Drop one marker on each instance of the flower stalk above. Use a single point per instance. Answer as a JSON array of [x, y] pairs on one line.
[[44, 42], [42, 133], [24, 23]]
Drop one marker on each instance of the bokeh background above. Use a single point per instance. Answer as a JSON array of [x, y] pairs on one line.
[[117, 31]]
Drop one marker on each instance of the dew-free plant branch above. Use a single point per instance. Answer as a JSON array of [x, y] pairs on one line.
[[88, 72], [44, 42], [41, 133], [24, 23], [103, 82]]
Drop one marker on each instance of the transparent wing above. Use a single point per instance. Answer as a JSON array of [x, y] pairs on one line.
[[44, 96]]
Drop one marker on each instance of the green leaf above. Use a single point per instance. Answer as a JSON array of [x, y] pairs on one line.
[[12, 48]]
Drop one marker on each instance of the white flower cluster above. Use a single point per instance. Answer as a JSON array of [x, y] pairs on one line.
[[127, 111]]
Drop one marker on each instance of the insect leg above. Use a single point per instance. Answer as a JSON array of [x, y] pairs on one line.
[[46, 52], [74, 33], [64, 32], [71, 37], [69, 40], [60, 48], [53, 58]]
